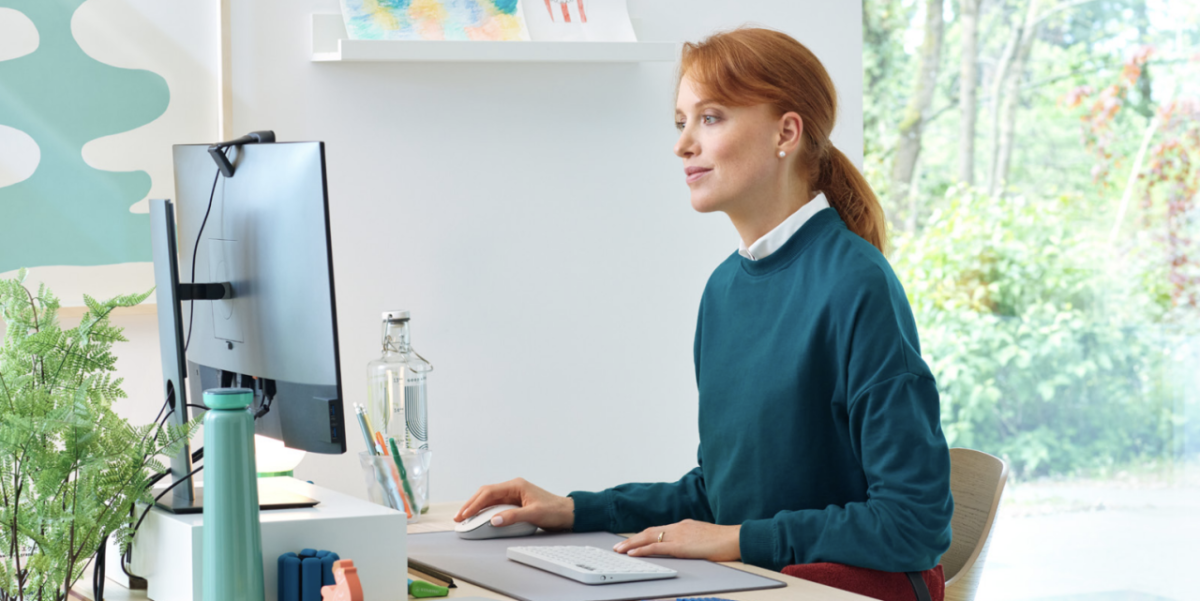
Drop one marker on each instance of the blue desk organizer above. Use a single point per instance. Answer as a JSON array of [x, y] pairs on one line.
[[302, 576]]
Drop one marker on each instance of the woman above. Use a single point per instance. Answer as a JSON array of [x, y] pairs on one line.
[[820, 438]]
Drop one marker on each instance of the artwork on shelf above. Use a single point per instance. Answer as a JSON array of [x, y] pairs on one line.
[[489, 20], [579, 21]]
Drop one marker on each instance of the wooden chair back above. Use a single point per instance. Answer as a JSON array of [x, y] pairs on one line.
[[976, 481]]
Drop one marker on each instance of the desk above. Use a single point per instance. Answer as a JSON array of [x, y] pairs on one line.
[[439, 519]]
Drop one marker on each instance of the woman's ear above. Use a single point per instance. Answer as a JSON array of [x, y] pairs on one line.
[[791, 131]]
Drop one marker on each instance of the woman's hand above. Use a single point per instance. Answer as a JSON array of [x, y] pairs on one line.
[[536, 506], [688, 539]]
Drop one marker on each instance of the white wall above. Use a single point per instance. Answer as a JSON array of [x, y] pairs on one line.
[[534, 220]]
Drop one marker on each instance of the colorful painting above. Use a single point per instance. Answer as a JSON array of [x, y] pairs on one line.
[[434, 20], [92, 95]]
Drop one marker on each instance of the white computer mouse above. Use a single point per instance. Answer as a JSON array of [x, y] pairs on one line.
[[479, 526]]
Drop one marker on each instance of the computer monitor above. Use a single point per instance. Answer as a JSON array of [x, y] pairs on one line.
[[260, 311]]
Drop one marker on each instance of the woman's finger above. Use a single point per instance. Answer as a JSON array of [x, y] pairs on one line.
[[488, 496], [461, 510], [657, 548], [468, 508], [506, 493], [641, 539], [520, 514]]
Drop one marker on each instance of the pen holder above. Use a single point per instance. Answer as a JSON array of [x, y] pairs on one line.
[[386, 485]]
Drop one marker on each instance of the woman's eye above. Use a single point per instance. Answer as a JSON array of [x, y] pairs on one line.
[[709, 119], [679, 125]]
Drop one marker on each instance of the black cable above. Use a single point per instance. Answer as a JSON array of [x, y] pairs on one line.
[[166, 402], [163, 494], [265, 408], [197, 455], [128, 553], [196, 249], [98, 573], [162, 424]]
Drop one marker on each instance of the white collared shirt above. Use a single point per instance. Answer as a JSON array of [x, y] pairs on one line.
[[783, 232]]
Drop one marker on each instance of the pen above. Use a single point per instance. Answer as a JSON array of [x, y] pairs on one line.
[[394, 489], [379, 441], [403, 473], [366, 429], [432, 573]]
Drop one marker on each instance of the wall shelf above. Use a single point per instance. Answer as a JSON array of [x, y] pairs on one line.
[[330, 44]]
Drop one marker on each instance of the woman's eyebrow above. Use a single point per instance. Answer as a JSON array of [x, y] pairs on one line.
[[699, 105]]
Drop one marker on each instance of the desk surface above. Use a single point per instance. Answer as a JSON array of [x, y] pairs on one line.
[[439, 519]]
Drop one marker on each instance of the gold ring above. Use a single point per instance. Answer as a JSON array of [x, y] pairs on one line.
[[660, 535]]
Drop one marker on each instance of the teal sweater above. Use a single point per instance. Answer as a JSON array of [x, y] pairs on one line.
[[819, 426]]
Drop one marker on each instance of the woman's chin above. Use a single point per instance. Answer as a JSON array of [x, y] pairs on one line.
[[704, 203]]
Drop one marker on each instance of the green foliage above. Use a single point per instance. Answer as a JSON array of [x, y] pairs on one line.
[[71, 469], [1040, 356], [1060, 316]]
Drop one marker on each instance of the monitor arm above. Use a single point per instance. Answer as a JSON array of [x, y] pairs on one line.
[[170, 293], [195, 292]]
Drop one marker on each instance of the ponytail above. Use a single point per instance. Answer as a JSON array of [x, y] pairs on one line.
[[849, 193]]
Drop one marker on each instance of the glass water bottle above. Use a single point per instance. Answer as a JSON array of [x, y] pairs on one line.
[[396, 402]]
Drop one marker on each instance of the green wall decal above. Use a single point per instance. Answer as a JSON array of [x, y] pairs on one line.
[[68, 213]]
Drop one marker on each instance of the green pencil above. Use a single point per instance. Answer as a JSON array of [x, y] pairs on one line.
[[403, 475]]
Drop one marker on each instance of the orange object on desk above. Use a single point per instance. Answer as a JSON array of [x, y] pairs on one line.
[[348, 588]]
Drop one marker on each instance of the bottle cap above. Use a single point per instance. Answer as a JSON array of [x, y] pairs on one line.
[[228, 398], [395, 315]]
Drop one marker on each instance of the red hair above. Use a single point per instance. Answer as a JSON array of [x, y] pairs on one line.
[[747, 66]]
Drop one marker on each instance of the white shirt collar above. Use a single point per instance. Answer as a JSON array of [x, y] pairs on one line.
[[783, 232]]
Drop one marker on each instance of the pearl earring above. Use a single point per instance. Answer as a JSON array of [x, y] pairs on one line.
[[782, 154]]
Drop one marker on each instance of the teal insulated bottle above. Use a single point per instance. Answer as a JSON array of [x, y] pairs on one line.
[[233, 563]]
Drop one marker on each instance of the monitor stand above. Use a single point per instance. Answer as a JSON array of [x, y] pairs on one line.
[[269, 498]]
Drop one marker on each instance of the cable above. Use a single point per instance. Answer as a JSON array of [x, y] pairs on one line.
[[163, 494], [162, 424], [166, 401], [195, 249], [128, 556], [265, 408], [98, 573]]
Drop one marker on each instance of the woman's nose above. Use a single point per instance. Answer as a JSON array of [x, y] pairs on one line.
[[684, 146]]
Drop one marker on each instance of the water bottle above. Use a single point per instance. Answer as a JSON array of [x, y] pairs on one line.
[[396, 386], [233, 563]]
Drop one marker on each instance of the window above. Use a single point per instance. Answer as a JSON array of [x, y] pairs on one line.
[[1039, 162]]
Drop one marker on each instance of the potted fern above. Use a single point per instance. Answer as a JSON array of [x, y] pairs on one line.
[[71, 469]]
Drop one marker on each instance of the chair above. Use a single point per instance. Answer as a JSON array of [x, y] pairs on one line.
[[976, 480]]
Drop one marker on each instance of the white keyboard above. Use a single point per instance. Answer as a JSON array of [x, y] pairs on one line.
[[589, 565]]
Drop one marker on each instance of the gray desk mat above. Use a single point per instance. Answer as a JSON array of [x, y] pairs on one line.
[[483, 563]]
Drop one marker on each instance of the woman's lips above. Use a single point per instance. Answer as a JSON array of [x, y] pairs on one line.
[[695, 173]]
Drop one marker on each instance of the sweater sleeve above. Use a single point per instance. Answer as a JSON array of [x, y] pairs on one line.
[[904, 524], [635, 507]]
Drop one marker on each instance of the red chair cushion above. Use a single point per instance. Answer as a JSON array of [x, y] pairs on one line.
[[888, 586]]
